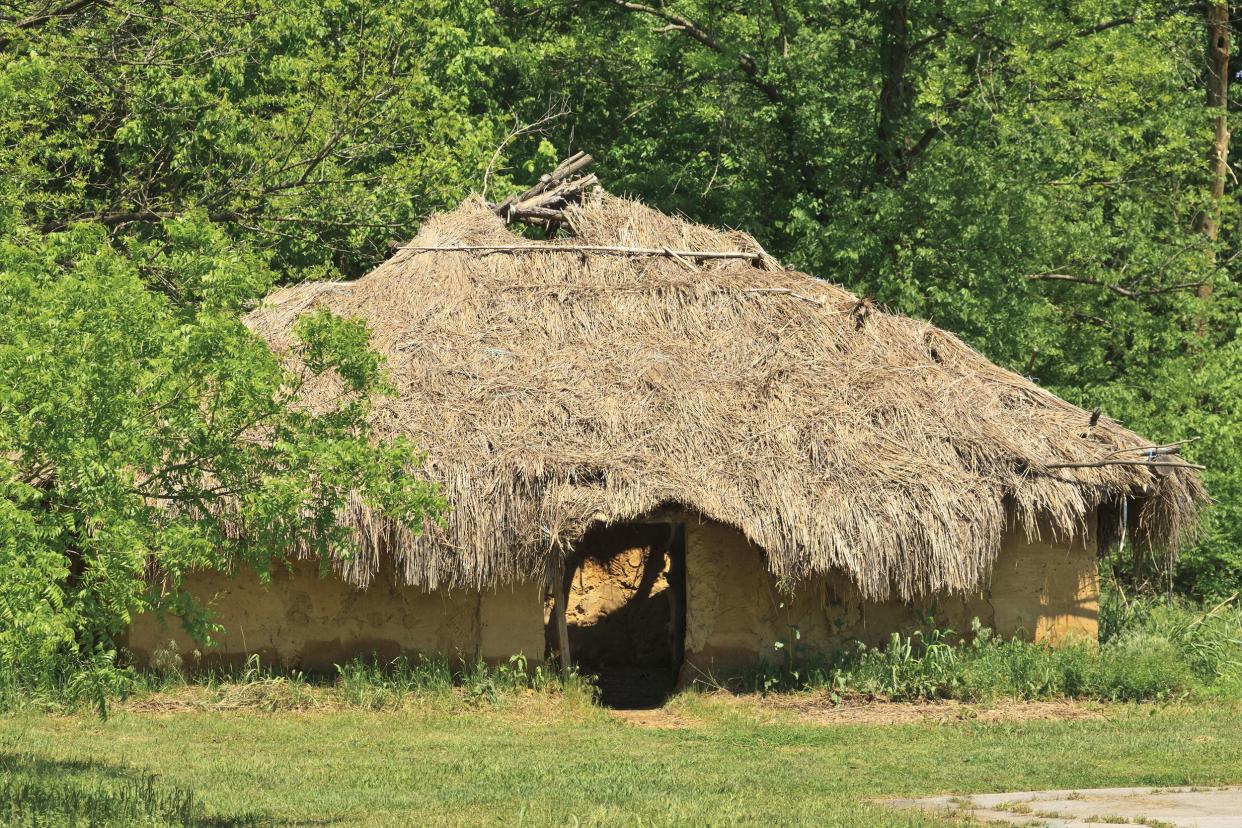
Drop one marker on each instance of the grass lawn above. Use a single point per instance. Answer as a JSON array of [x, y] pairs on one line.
[[541, 761]]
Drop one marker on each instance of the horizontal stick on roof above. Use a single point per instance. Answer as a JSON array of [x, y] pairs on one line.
[[786, 292], [589, 248], [1100, 463], [1154, 451]]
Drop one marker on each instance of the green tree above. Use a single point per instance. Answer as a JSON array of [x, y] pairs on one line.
[[165, 166], [143, 439]]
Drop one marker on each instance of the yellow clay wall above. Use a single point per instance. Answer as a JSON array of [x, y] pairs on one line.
[[310, 622], [735, 615]]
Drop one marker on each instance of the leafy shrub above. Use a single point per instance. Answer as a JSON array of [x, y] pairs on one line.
[[116, 401]]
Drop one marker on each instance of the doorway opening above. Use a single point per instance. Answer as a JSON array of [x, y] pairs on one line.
[[625, 611]]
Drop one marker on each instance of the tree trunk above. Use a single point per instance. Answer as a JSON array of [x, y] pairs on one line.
[[1217, 77], [896, 93]]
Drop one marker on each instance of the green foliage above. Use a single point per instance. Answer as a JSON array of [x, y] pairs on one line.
[[166, 166], [312, 132], [1140, 667], [1208, 642]]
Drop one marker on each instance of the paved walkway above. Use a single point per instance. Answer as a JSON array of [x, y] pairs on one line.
[[1098, 808]]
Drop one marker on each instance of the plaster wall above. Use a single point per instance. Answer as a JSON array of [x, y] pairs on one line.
[[735, 615], [310, 622]]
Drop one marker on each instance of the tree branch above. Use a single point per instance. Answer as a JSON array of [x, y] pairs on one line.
[[1091, 30], [1117, 289], [690, 29], [37, 20], [156, 216]]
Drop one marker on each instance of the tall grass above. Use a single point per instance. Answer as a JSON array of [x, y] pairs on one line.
[[364, 682], [64, 681], [39, 793], [370, 684], [1150, 649], [1207, 641]]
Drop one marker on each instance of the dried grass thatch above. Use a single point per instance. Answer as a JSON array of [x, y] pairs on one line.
[[553, 390]]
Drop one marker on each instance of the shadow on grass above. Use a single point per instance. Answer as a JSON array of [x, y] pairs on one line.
[[36, 792]]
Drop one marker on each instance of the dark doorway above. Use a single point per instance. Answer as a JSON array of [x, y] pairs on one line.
[[626, 611]]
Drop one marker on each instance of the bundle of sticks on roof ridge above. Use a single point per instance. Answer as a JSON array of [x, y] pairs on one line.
[[546, 204]]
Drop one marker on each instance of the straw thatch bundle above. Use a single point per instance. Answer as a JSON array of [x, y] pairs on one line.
[[553, 390]]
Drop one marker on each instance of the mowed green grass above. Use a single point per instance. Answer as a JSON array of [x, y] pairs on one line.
[[543, 762]]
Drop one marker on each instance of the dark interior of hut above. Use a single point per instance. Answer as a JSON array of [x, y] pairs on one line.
[[625, 610]]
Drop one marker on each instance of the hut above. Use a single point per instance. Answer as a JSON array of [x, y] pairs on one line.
[[666, 455]]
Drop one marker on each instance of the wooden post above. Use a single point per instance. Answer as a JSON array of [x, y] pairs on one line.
[[675, 550], [560, 599]]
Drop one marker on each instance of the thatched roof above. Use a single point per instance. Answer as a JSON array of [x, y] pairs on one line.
[[553, 390]]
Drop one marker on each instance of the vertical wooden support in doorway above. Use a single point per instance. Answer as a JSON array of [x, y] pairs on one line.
[[675, 554], [560, 599]]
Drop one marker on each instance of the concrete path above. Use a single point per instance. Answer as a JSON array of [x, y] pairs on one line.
[[1098, 808]]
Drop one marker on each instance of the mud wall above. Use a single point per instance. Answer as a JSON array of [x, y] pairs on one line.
[[736, 617], [310, 622]]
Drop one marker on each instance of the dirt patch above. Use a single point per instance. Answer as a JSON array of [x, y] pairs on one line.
[[819, 708], [269, 695], [814, 708], [660, 718]]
